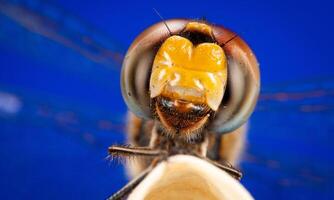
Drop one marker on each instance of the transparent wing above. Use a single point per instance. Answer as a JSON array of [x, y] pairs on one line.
[[62, 72], [60, 104], [289, 146]]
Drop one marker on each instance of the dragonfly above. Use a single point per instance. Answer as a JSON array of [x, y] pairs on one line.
[[289, 132]]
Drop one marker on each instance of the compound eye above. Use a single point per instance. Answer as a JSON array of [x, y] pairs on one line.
[[243, 83]]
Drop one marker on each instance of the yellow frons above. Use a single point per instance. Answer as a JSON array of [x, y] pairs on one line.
[[194, 73]]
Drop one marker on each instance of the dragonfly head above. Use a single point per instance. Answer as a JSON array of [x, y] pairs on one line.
[[188, 79], [190, 75]]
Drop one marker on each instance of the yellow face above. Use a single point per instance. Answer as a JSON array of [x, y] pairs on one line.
[[192, 73], [188, 81]]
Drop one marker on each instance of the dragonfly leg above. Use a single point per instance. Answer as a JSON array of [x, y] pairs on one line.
[[226, 167], [119, 151], [126, 190]]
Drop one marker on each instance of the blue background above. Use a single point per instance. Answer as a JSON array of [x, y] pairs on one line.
[[61, 106]]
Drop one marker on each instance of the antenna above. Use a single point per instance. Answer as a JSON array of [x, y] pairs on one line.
[[234, 36], [163, 20]]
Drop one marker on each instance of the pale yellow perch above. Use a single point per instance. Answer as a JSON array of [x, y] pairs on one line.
[[189, 178]]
